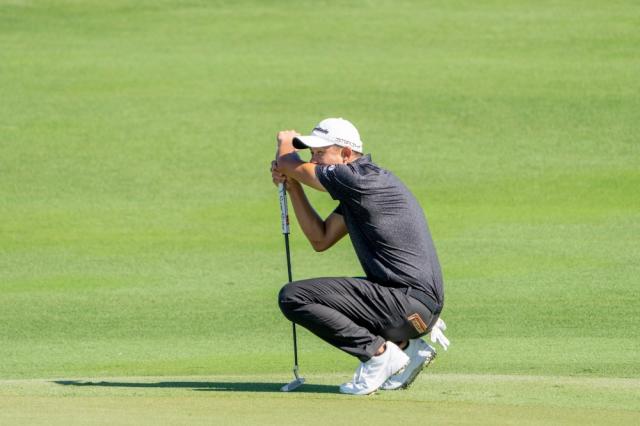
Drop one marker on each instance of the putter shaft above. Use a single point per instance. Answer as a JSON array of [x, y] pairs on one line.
[[284, 214]]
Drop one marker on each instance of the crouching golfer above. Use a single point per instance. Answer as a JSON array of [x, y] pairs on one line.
[[378, 319]]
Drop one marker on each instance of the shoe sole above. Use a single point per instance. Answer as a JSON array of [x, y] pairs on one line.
[[417, 371]]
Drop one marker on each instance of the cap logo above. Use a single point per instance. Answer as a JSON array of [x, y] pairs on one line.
[[321, 130]]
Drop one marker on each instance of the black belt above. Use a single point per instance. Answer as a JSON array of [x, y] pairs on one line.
[[425, 299]]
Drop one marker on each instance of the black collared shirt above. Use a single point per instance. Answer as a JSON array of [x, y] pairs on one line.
[[386, 224]]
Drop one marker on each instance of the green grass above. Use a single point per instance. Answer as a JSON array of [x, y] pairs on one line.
[[249, 399], [139, 229]]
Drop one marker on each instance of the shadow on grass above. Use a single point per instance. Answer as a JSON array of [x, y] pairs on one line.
[[206, 386]]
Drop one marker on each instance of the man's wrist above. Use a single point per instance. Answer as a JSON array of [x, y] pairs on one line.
[[285, 147], [288, 157], [285, 141]]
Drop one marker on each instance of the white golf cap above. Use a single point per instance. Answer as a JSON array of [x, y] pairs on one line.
[[331, 131]]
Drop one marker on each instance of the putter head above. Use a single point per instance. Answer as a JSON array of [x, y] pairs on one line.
[[293, 385], [296, 383]]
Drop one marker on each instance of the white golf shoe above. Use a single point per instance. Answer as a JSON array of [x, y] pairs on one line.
[[420, 355], [370, 375]]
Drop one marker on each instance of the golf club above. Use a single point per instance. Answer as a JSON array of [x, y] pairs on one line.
[[284, 216]]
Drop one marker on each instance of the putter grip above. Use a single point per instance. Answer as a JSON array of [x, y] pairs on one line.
[[284, 211]]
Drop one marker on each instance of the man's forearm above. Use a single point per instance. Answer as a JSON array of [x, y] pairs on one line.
[[285, 146], [311, 223], [289, 162], [286, 153]]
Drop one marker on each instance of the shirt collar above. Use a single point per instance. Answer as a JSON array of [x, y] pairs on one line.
[[365, 158]]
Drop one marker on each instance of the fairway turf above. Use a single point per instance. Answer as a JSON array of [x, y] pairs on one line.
[[139, 230], [444, 398]]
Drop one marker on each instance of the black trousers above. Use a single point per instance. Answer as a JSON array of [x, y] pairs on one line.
[[354, 314]]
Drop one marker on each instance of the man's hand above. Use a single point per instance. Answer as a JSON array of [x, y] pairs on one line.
[[285, 139], [277, 177], [284, 145], [289, 164]]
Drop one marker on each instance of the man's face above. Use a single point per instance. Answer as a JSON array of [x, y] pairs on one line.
[[327, 155]]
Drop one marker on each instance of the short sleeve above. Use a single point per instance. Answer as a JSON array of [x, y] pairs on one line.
[[339, 180]]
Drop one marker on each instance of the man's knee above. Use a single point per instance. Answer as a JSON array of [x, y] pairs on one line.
[[288, 300]]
